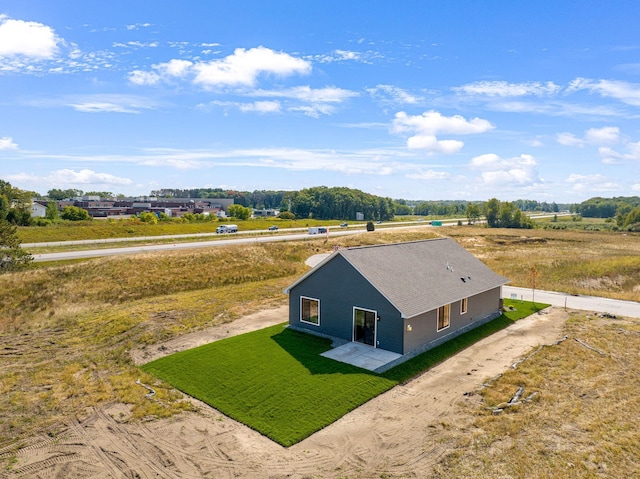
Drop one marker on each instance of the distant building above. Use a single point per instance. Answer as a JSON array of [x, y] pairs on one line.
[[271, 212], [38, 209], [176, 207]]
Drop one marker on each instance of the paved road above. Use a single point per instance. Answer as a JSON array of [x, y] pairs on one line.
[[68, 255], [585, 303]]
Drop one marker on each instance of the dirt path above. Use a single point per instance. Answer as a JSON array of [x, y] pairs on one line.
[[398, 433]]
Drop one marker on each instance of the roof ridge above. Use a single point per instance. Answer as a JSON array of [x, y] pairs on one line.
[[394, 244]]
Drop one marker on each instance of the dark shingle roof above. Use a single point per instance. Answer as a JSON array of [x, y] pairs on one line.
[[420, 276]]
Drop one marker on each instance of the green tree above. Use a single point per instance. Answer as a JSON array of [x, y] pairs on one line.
[[491, 211], [632, 218], [505, 215], [52, 213], [101, 194], [74, 213], [57, 194], [15, 204], [401, 210], [473, 213], [12, 256], [240, 212]]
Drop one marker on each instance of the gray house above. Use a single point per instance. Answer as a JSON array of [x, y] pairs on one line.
[[403, 297]]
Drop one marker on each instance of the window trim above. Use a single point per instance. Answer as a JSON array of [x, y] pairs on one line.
[[464, 305], [302, 298], [446, 308]]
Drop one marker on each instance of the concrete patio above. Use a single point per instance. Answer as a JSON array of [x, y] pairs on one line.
[[361, 355]]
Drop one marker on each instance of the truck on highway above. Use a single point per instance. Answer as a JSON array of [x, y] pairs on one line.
[[317, 230], [227, 229]]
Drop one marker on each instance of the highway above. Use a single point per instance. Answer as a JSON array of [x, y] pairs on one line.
[[231, 240], [257, 236]]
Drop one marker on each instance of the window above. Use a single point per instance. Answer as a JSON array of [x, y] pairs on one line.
[[463, 305], [444, 315], [310, 310]]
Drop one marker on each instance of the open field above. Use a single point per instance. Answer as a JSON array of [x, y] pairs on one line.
[[67, 334]]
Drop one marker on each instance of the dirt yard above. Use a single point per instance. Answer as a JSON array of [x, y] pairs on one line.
[[397, 434]]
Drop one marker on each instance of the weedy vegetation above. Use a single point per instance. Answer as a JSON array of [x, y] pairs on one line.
[[582, 421]]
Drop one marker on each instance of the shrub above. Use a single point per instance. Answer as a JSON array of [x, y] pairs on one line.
[[73, 213], [287, 215], [148, 217]]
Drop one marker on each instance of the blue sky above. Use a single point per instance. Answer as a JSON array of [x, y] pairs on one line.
[[409, 99]]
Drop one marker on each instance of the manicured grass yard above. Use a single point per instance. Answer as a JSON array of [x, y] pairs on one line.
[[275, 381]]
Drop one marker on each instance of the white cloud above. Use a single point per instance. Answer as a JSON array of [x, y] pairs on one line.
[[347, 55], [569, 139], [66, 178], [7, 143], [261, 107], [393, 94], [602, 136], [308, 94], [174, 68], [425, 128], [30, 39], [433, 123], [314, 111], [137, 26], [635, 187], [163, 71], [93, 107], [521, 170], [429, 175], [138, 77], [628, 93], [433, 145], [535, 142], [505, 89], [317, 101], [593, 136], [591, 183], [342, 56], [109, 103], [244, 66], [241, 69], [610, 156]]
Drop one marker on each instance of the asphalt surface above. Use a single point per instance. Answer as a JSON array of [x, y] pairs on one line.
[[69, 255], [585, 303]]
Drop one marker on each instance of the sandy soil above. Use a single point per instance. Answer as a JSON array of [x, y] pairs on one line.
[[397, 434]]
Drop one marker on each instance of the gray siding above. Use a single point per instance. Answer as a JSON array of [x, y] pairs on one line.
[[340, 288], [424, 327]]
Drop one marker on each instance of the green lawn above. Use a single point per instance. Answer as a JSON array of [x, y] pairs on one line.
[[275, 381]]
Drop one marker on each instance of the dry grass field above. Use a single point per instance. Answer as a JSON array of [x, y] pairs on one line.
[[66, 333]]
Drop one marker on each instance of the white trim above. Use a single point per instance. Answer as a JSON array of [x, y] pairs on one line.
[[446, 306], [353, 324], [310, 299]]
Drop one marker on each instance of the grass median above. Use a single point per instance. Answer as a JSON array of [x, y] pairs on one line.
[[275, 381]]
